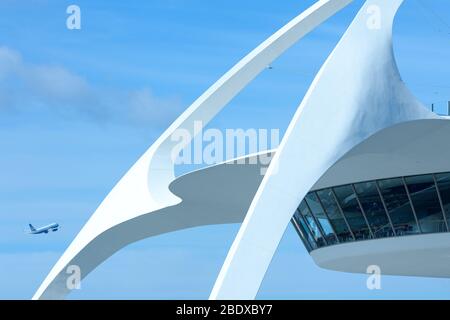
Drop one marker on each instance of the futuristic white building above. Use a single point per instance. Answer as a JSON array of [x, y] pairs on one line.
[[362, 172]]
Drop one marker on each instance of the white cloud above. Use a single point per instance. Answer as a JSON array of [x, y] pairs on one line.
[[145, 107], [56, 82], [10, 61], [47, 88]]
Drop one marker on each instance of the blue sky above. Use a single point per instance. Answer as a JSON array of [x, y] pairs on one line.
[[77, 108]]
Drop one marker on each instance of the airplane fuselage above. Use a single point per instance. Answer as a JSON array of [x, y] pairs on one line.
[[51, 227]]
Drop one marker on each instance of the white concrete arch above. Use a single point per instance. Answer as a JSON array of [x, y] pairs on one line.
[[144, 190], [357, 93]]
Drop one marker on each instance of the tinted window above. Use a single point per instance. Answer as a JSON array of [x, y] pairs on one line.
[[313, 227], [374, 209], [352, 211], [318, 212], [397, 203], [303, 232], [426, 203], [336, 218], [443, 182]]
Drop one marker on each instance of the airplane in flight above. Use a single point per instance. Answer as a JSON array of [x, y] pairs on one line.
[[51, 227]]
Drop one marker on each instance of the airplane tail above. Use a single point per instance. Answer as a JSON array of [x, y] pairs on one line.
[[31, 227]]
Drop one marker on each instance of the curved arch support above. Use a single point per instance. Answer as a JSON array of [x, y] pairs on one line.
[[357, 92], [144, 190]]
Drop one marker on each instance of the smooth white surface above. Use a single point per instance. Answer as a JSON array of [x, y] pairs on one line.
[[144, 190], [410, 148], [204, 202], [425, 255], [357, 92]]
